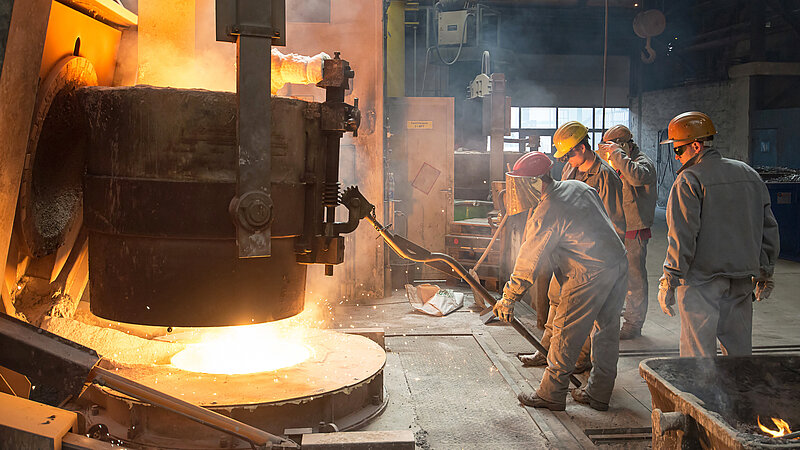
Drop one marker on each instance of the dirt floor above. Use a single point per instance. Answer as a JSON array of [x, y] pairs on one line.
[[453, 380]]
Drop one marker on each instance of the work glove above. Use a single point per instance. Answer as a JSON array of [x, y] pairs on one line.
[[764, 287], [504, 309], [666, 297]]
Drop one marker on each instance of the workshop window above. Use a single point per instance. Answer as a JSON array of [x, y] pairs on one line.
[[542, 122], [538, 118], [582, 115]]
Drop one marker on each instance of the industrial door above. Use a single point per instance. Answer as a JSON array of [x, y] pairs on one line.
[[421, 164]]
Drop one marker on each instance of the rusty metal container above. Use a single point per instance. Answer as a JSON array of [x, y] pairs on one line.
[[161, 172], [714, 402]]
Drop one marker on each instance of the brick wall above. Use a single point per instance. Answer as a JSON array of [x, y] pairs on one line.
[[727, 103]]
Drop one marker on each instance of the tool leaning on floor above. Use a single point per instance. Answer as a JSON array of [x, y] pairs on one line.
[[569, 225]]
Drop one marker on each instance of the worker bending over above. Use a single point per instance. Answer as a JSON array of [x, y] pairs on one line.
[[570, 227], [639, 194], [582, 163], [722, 242]]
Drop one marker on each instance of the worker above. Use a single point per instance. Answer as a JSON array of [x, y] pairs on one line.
[[571, 141], [569, 226], [722, 242], [639, 194]]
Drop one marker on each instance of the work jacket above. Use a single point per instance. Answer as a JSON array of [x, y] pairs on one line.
[[720, 222], [639, 191], [606, 182], [570, 228]]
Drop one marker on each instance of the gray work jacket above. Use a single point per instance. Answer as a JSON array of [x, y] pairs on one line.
[[606, 182], [639, 191], [570, 228], [720, 222]]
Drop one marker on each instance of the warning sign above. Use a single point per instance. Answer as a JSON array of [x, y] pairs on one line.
[[419, 124]]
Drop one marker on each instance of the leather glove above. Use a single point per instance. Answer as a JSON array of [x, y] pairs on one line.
[[666, 297], [504, 309], [763, 287]]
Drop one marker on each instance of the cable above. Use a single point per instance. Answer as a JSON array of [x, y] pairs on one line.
[[437, 8], [605, 63], [486, 63], [425, 72]]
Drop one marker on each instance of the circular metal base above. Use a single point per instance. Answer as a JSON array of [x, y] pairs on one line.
[[341, 384]]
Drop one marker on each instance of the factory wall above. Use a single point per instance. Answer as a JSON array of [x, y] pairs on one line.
[[727, 103], [19, 81], [567, 80]]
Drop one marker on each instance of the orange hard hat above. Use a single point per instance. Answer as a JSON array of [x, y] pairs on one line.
[[532, 164], [618, 132], [689, 127]]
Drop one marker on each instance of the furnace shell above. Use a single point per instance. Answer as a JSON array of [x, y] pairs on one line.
[[161, 172]]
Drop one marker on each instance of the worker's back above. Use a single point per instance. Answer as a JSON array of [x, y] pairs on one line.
[[586, 241], [721, 207]]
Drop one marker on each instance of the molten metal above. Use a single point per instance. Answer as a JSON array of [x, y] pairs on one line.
[[247, 349], [242, 350]]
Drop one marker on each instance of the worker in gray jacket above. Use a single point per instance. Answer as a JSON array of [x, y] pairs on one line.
[[639, 194], [570, 226], [571, 141], [722, 243]]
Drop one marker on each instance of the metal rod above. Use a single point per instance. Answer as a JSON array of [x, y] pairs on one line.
[[425, 256], [491, 243], [254, 436]]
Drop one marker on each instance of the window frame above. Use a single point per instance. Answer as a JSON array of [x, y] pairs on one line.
[[525, 132]]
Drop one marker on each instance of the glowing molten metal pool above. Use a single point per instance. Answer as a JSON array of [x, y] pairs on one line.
[[243, 349]]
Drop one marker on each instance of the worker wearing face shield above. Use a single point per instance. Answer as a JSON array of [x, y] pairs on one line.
[[722, 243], [639, 194], [568, 226], [571, 141]]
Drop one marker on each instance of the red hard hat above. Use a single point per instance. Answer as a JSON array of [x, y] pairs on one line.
[[533, 164]]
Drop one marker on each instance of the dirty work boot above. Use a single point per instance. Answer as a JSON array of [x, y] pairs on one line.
[[581, 396], [535, 401], [535, 360], [629, 331]]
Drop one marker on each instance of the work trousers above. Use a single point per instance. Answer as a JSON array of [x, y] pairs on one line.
[[589, 306], [636, 299], [719, 309], [553, 289]]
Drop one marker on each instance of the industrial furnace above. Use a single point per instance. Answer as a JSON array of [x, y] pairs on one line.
[[173, 209]]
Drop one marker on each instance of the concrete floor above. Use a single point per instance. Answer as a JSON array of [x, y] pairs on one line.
[[453, 380]]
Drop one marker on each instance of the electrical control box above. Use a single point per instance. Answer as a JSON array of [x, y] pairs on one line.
[[451, 27]]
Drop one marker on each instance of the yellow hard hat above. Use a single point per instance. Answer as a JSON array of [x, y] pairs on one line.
[[567, 136], [689, 127]]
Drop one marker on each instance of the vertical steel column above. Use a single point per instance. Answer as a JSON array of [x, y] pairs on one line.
[[253, 25]]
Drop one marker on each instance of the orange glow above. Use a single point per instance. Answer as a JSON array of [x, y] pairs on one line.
[[244, 349], [783, 427], [250, 348]]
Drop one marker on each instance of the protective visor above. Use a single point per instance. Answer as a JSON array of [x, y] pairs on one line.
[[522, 193]]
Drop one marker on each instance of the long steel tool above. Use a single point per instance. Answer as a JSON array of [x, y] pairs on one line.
[[356, 203]]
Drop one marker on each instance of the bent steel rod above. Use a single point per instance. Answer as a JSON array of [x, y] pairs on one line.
[[257, 438], [414, 252]]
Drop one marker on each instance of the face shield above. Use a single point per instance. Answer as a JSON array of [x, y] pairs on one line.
[[522, 193]]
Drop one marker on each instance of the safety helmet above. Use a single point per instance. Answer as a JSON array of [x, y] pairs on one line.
[[532, 164], [568, 136], [689, 127], [524, 184], [618, 133]]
